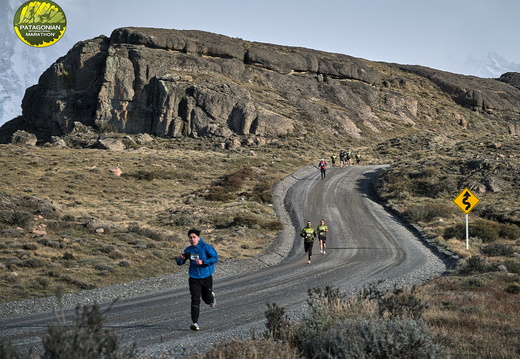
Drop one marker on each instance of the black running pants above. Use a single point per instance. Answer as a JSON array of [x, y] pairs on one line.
[[200, 288]]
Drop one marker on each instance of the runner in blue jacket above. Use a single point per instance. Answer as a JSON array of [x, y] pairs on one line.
[[202, 257]]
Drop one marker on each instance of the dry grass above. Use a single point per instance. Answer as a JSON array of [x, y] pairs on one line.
[[475, 315]]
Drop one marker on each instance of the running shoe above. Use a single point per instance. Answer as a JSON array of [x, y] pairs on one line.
[[214, 303], [195, 327]]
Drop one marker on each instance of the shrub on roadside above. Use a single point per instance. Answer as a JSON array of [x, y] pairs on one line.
[[428, 212], [252, 349], [509, 231], [487, 231], [365, 338], [86, 338], [374, 324], [474, 264], [498, 250]]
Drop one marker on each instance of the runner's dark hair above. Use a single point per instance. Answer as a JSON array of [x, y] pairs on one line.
[[194, 231]]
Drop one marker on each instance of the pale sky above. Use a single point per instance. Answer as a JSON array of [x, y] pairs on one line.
[[440, 34]]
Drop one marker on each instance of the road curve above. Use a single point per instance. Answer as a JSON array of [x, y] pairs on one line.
[[365, 244]]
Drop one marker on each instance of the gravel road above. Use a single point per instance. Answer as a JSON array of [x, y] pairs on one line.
[[366, 244]]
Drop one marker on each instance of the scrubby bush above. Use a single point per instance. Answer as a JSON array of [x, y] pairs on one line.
[[246, 220], [513, 265], [474, 264], [401, 305], [85, 338], [8, 351], [487, 231], [513, 289], [509, 231], [429, 212], [147, 232], [373, 324], [219, 194], [498, 249], [277, 323], [235, 181], [35, 262], [252, 349], [365, 338]]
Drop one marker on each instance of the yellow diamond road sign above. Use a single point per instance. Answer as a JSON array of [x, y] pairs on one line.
[[466, 200]]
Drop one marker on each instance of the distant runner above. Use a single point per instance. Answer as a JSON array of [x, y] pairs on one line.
[[358, 158], [333, 160], [323, 168]]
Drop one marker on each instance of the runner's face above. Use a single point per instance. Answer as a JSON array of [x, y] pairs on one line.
[[194, 239]]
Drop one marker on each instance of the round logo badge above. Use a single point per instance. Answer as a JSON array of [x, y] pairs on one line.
[[40, 23]]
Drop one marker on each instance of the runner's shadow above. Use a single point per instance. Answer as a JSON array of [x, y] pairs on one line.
[[328, 248]]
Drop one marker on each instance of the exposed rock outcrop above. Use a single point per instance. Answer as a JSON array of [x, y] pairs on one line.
[[172, 83]]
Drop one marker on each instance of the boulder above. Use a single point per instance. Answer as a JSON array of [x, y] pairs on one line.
[[23, 138]]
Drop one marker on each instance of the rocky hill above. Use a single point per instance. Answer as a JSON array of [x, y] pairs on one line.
[[172, 83]]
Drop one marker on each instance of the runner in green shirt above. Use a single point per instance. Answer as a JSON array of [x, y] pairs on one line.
[[322, 236]]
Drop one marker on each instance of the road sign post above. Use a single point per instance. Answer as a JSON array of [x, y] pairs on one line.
[[466, 201]]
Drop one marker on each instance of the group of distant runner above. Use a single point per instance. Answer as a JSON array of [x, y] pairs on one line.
[[345, 160]]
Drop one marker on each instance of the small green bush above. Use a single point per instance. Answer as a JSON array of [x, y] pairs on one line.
[[8, 351], [247, 220], [498, 250], [86, 338], [151, 175], [277, 322], [487, 231], [147, 232], [513, 265], [219, 194], [457, 231], [475, 283], [275, 225], [235, 181], [364, 338], [474, 264], [35, 262], [509, 231], [401, 305], [429, 212]]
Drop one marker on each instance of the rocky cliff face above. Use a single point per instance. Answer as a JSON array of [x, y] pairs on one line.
[[173, 83]]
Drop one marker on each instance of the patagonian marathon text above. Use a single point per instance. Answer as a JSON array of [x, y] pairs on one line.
[[40, 27]]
